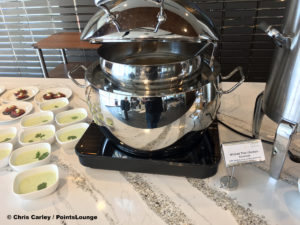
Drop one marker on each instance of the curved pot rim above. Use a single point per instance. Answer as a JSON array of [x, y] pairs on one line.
[[99, 80]]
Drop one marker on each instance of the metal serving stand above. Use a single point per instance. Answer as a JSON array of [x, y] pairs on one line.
[[281, 99]]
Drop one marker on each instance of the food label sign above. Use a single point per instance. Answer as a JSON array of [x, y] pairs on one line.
[[241, 152]]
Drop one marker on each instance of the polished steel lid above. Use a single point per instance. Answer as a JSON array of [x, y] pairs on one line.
[[148, 20]]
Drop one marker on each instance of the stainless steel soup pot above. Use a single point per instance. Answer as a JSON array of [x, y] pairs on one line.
[[193, 109]]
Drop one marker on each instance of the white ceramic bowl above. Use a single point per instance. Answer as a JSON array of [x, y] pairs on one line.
[[5, 151], [34, 135], [33, 149], [35, 172], [11, 132], [39, 118], [70, 144], [71, 116], [50, 105]]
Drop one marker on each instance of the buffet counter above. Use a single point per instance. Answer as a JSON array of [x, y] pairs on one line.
[[95, 196]]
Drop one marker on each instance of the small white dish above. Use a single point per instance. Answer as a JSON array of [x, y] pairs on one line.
[[5, 151], [71, 117], [28, 157], [27, 183], [27, 106], [35, 135], [8, 135], [2, 89], [68, 136], [10, 96], [55, 105], [39, 98], [37, 119]]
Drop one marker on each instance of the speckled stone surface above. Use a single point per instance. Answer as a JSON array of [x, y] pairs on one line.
[[159, 203], [116, 197], [244, 216]]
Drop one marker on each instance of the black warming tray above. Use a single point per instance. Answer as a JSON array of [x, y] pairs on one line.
[[197, 154]]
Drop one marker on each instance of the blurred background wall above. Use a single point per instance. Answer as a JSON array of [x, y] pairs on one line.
[[24, 22]]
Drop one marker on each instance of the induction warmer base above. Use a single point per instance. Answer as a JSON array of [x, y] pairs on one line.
[[199, 160]]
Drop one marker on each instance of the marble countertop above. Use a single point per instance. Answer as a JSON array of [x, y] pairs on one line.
[[98, 196]]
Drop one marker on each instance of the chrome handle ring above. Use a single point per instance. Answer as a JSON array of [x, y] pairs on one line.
[[241, 72], [69, 74]]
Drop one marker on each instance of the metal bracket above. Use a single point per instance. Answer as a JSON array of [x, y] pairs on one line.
[[110, 17], [280, 39], [257, 116], [284, 133], [161, 16]]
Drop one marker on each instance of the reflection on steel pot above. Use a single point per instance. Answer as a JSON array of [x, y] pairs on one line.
[[153, 123]]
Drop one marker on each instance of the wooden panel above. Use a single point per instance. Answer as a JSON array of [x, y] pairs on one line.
[[70, 40]]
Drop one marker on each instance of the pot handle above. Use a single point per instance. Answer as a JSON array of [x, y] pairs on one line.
[[69, 74], [241, 72]]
